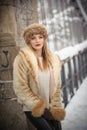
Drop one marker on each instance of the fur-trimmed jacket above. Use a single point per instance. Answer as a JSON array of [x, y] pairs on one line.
[[26, 86]]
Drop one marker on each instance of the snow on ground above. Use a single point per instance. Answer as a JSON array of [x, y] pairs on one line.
[[76, 111]]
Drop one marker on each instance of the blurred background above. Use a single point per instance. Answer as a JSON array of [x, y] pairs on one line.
[[66, 21]]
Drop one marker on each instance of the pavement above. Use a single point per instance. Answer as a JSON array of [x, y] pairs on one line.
[[76, 110]]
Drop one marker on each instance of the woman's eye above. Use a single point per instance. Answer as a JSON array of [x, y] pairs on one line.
[[40, 37], [32, 38]]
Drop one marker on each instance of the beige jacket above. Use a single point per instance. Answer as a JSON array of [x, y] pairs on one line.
[[26, 84]]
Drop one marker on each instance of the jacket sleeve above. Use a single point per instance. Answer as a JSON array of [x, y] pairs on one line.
[[22, 90], [56, 106]]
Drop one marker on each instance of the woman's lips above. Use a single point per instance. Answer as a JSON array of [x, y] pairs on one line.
[[37, 44]]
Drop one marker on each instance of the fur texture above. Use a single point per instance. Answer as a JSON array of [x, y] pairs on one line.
[[28, 90], [58, 114], [38, 110]]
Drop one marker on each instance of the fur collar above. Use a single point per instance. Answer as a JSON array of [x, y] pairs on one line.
[[30, 57]]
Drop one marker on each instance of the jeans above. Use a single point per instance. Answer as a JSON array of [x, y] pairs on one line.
[[39, 122]]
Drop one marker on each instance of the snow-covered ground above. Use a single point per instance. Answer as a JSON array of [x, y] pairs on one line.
[[76, 111]]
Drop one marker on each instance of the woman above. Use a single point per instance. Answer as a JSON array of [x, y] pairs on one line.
[[36, 79]]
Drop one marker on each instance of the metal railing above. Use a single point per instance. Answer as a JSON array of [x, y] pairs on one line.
[[74, 70]]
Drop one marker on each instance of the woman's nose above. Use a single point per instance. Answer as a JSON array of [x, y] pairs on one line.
[[37, 39]]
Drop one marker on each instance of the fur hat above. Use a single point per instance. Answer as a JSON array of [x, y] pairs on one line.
[[34, 28]]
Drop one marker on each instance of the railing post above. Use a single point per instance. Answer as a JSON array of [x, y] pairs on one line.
[[70, 85], [79, 67], [82, 64], [65, 95], [85, 57], [75, 75], [86, 61]]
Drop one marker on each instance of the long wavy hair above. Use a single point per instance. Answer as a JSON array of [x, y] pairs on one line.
[[34, 29]]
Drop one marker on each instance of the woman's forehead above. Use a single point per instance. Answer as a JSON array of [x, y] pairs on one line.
[[37, 34]]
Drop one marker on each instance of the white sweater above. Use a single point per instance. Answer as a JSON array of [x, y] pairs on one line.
[[44, 78]]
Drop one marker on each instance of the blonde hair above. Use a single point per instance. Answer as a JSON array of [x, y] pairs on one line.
[[37, 28]]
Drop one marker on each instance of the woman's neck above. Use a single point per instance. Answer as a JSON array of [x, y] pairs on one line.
[[39, 53]]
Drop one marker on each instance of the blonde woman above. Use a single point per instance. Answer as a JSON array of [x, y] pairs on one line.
[[36, 79]]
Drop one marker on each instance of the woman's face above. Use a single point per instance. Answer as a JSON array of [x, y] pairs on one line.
[[37, 42]]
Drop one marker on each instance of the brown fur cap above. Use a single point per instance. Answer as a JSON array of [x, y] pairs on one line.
[[34, 28]]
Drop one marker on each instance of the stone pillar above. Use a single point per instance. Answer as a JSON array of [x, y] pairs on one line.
[[8, 51], [11, 114], [15, 15], [8, 23]]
